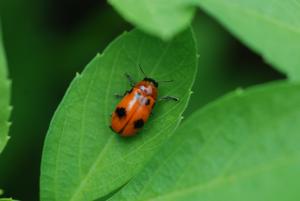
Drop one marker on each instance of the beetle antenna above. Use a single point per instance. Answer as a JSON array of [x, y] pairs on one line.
[[162, 81], [142, 70]]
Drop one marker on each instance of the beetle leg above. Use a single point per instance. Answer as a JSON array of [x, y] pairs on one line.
[[130, 80], [119, 96], [168, 98]]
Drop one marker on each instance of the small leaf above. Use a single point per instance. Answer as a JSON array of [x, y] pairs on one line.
[[245, 146], [4, 99], [162, 18], [83, 159]]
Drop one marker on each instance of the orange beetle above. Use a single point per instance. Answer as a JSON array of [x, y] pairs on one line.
[[134, 109]]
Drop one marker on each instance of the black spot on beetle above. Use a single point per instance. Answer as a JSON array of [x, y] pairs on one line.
[[139, 123], [148, 101], [121, 112]]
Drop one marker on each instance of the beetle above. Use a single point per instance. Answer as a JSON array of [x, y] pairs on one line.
[[133, 111]]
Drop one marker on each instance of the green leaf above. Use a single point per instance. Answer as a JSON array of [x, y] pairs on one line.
[[162, 18], [245, 146], [5, 109], [271, 28], [83, 159]]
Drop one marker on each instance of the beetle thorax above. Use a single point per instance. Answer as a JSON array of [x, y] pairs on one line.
[[147, 88]]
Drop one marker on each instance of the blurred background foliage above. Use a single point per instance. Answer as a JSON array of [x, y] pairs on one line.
[[48, 41]]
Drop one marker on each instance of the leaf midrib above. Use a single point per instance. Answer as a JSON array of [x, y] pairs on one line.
[[106, 146]]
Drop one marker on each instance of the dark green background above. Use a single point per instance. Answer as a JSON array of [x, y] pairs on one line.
[[48, 41]]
